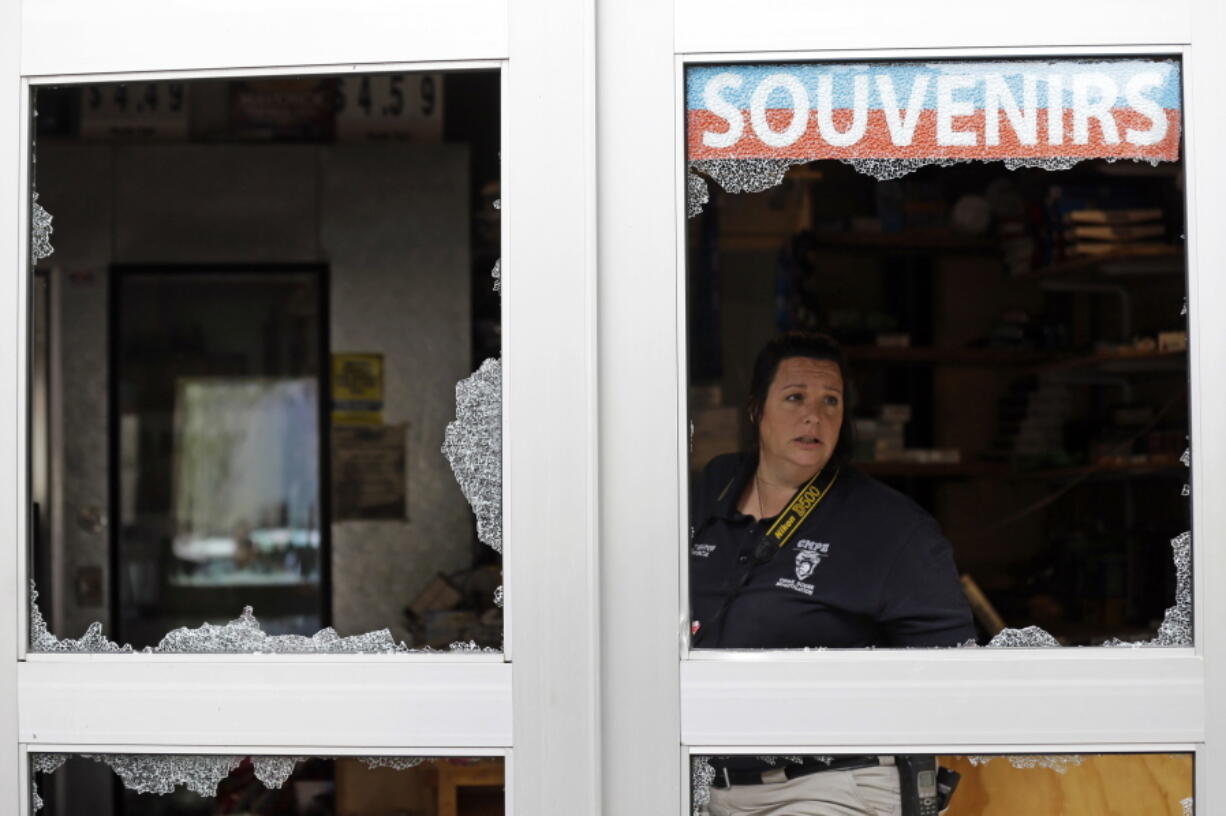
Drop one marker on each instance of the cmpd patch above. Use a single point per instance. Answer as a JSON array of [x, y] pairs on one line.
[[1107, 108]]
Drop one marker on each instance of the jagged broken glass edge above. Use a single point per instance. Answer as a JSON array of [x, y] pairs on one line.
[[199, 773], [243, 635], [40, 231], [1060, 763], [702, 773], [472, 445], [1175, 629], [697, 194], [756, 175]]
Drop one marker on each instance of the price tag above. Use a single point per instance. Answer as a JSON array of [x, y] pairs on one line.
[[144, 110], [407, 107]]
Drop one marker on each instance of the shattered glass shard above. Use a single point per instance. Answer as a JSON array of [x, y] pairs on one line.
[[745, 175], [394, 762], [162, 773], [199, 773], [496, 274], [1052, 164], [1032, 637], [92, 642], [697, 194], [890, 169], [40, 231], [702, 772], [1176, 627], [243, 635], [1175, 630], [1060, 763], [473, 446], [47, 763], [275, 771]]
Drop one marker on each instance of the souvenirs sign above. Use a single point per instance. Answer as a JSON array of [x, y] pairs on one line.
[[1122, 109]]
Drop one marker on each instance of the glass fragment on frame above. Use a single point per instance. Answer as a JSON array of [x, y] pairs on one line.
[[40, 231], [473, 447], [243, 635]]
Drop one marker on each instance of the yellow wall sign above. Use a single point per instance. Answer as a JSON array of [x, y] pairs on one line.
[[357, 388]]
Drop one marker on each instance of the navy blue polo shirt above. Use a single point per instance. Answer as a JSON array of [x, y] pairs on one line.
[[868, 567]]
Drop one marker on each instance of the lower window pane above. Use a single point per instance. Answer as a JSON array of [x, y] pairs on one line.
[[963, 785], [204, 785]]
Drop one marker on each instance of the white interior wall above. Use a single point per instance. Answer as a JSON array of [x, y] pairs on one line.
[[391, 221]]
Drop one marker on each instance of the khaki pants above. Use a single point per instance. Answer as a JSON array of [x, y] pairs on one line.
[[858, 792]]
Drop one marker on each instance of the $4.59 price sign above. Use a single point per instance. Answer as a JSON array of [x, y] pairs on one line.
[[134, 109], [406, 107]]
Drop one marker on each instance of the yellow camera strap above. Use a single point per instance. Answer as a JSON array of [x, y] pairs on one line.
[[802, 505]]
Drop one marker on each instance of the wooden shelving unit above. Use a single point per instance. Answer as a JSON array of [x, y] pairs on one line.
[[1028, 361], [960, 470], [1121, 361], [950, 356], [980, 468], [1088, 264], [911, 239]]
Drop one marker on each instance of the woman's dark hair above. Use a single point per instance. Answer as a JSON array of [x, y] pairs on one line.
[[800, 344]]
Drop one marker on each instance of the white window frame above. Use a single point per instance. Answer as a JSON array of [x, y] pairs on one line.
[[542, 705], [956, 701], [601, 720]]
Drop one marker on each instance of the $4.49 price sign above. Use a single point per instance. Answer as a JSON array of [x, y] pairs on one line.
[[134, 109], [405, 107]]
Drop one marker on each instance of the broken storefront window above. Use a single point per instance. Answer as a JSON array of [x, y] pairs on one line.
[[1007, 230], [267, 431]]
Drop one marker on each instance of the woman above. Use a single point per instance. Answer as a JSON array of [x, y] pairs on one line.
[[793, 548]]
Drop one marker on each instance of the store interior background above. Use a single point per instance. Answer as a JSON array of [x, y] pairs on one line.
[[395, 229], [1019, 373]]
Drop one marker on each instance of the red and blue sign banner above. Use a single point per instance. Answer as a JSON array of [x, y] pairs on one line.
[[1109, 108]]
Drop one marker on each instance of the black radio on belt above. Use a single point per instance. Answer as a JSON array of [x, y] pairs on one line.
[[925, 789]]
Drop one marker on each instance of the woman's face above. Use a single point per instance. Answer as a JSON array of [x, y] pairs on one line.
[[802, 415]]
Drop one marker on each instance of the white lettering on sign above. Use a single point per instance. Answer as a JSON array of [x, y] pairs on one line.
[[1135, 92], [859, 111], [1024, 119], [800, 110], [1093, 97], [1123, 109], [1055, 109], [902, 125], [948, 108], [712, 96]]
